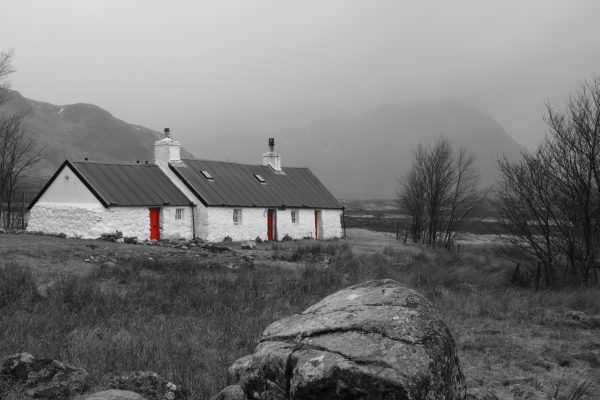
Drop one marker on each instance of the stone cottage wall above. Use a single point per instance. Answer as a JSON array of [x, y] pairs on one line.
[[304, 227], [254, 223], [331, 224], [220, 224]]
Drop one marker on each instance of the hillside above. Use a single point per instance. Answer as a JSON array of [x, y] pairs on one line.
[[363, 154], [358, 155], [79, 131]]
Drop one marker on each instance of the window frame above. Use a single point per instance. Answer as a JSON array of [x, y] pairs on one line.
[[295, 216], [237, 216], [179, 213]]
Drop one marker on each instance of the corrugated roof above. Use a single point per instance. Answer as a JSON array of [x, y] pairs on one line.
[[236, 185], [130, 185]]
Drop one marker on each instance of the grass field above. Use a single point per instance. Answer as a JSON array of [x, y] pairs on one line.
[[189, 314]]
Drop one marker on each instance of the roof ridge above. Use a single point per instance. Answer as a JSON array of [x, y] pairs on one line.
[[236, 163], [115, 163]]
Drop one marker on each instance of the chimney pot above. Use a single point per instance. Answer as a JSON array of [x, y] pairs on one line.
[[167, 132], [271, 158]]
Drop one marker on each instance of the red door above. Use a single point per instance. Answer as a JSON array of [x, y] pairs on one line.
[[155, 224], [270, 229], [316, 225]]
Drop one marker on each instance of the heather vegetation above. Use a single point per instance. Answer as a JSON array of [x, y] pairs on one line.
[[188, 317]]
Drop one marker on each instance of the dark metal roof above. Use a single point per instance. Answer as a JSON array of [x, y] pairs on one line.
[[131, 185], [236, 185], [124, 185]]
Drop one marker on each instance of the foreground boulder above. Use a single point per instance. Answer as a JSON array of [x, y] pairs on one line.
[[375, 340], [43, 378]]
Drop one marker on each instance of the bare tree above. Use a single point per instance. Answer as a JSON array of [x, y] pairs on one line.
[[18, 153], [412, 195], [550, 201], [466, 196], [439, 192]]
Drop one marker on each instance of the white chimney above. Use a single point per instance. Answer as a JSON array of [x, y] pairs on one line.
[[271, 158], [167, 150]]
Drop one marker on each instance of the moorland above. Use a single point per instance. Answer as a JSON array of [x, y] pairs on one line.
[[188, 314]]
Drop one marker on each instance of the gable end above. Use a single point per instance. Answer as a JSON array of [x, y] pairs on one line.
[[67, 163]]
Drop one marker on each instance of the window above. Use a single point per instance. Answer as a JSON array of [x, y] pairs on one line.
[[294, 217], [179, 212], [260, 178], [207, 175], [237, 216]]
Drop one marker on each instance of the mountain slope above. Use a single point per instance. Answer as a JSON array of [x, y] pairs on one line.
[[357, 155], [362, 155], [80, 131]]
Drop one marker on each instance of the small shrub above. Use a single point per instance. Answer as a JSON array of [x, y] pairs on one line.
[[227, 239], [258, 239], [286, 238]]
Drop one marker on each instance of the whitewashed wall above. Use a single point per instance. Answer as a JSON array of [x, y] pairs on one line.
[[172, 228], [305, 226], [332, 224], [254, 223], [220, 224], [67, 188], [89, 221]]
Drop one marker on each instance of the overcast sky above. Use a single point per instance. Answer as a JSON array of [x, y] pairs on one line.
[[187, 64]]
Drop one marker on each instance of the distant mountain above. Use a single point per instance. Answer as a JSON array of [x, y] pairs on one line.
[[362, 155], [80, 131], [358, 155]]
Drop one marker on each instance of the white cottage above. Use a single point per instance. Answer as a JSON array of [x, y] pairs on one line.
[[175, 198]]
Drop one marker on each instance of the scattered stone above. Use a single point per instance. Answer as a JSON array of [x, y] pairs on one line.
[[131, 240], [248, 245], [576, 315], [217, 248], [115, 394], [184, 248], [286, 238], [147, 383], [62, 235], [258, 239], [375, 340], [44, 378], [120, 240], [227, 239]]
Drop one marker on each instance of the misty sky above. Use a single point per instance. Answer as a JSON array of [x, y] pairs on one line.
[[191, 64]]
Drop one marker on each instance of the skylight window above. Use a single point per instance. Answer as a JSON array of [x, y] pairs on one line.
[[207, 175], [260, 178]]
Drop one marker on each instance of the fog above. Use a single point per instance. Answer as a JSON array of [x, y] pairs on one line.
[[194, 66]]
